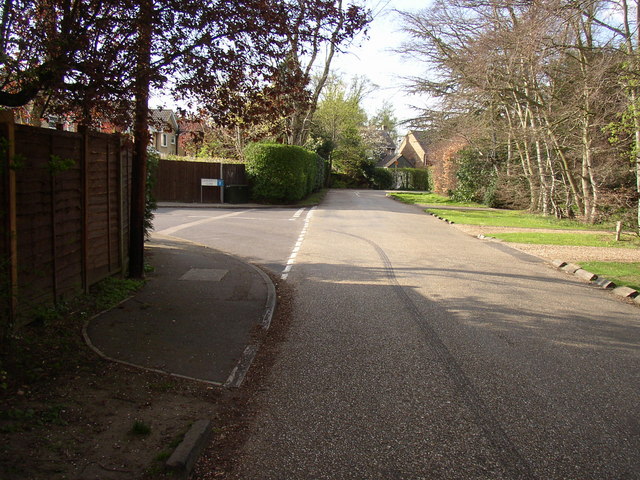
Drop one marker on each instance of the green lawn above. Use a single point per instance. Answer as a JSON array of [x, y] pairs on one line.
[[587, 239], [627, 274], [511, 218], [429, 199]]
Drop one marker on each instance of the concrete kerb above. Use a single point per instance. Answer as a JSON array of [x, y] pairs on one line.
[[623, 292], [183, 458]]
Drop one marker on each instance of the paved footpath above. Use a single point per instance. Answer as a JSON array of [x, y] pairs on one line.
[[419, 352]]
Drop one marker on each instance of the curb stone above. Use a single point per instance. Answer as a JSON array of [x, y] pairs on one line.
[[625, 292], [570, 268], [605, 283], [585, 275], [184, 457]]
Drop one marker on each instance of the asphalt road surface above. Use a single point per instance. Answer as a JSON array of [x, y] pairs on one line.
[[419, 352], [263, 236]]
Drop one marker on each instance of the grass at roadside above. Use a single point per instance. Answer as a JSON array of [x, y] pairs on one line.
[[429, 199], [511, 218], [314, 199], [49, 345], [627, 274], [586, 239]]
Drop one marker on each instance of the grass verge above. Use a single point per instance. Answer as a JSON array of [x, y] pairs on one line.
[[512, 218], [314, 199], [429, 199], [622, 274], [586, 239]]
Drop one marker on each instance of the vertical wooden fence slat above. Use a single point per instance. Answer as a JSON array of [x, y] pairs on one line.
[[7, 133], [54, 220], [84, 156], [108, 179], [119, 155]]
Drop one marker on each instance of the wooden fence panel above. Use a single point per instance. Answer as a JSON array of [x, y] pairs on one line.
[[8, 240], [181, 181], [46, 233], [66, 214], [71, 208], [234, 174]]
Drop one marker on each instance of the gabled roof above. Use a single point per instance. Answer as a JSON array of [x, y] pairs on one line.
[[390, 161], [386, 138], [161, 117], [422, 137]]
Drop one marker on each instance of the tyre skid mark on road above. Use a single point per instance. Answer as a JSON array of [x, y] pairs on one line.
[[296, 248], [510, 458]]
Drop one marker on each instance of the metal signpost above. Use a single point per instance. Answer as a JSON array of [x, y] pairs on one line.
[[212, 182]]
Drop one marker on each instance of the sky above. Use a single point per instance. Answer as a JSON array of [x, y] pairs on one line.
[[374, 58]]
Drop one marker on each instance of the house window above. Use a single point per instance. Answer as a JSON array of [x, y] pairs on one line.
[[163, 140], [173, 139]]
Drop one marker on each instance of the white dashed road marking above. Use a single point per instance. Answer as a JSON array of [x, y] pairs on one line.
[[296, 248], [297, 214]]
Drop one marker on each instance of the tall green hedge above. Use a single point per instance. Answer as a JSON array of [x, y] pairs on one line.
[[282, 173], [411, 179], [382, 179]]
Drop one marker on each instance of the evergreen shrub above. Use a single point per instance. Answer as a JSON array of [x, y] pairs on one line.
[[281, 173], [411, 179], [476, 179], [382, 179]]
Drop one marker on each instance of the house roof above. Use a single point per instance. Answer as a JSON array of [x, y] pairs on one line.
[[390, 161], [161, 117], [422, 137], [386, 138]]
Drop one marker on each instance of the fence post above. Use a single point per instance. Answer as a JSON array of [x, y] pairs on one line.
[[84, 159], [122, 184], [54, 219], [7, 132]]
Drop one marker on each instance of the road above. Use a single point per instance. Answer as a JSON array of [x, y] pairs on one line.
[[419, 352], [263, 236]]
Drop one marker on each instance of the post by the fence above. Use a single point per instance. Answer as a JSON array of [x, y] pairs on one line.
[[84, 159], [54, 220], [7, 129], [109, 246], [618, 230], [122, 185]]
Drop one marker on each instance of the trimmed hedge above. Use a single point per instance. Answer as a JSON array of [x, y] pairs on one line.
[[382, 178], [411, 179], [282, 173]]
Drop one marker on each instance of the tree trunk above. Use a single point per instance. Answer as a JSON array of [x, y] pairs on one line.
[[141, 140]]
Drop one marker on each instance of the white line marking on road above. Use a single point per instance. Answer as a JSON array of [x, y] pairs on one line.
[[296, 248], [297, 214], [172, 230]]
